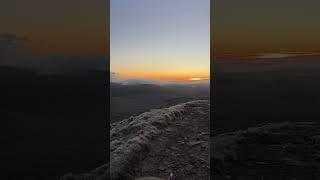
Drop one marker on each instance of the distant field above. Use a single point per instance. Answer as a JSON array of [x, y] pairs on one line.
[[128, 100]]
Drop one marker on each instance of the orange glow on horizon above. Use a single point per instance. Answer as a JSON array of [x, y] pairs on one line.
[[168, 76], [198, 79]]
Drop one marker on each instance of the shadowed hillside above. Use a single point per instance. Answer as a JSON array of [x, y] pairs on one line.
[[157, 143], [50, 123], [272, 151], [266, 119], [250, 93], [127, 100]]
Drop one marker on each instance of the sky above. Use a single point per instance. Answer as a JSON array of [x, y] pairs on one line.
[[266, 29], [59, 26], [160, 40]]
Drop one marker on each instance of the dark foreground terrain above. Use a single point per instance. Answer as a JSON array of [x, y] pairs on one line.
[[182, 149], [51, 124], [278, 100], [272, 151], [160, 142], [248, 93]]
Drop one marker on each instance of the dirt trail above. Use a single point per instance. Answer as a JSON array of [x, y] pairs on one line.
[[182, 149], [173, 140]]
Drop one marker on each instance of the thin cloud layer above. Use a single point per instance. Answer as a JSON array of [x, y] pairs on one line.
[[117, 78], [16, 51]]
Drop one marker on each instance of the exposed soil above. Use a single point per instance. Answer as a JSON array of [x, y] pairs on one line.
[[159, 143], [182, 149]]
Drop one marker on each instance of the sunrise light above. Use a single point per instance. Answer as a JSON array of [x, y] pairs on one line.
[[197, 79]]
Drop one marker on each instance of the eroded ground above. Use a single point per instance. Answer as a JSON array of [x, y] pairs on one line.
[[183, 149]]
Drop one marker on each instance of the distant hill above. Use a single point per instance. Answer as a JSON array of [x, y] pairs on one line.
[[127, 100]]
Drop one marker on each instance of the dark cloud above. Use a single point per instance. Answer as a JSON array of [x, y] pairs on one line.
[[16, 51], [70, 63]]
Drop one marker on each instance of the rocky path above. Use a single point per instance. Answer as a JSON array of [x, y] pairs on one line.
[[182, 149], [159, 143]]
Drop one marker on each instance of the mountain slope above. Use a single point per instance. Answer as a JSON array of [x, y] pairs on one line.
[[272, 151], [137, 138]]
